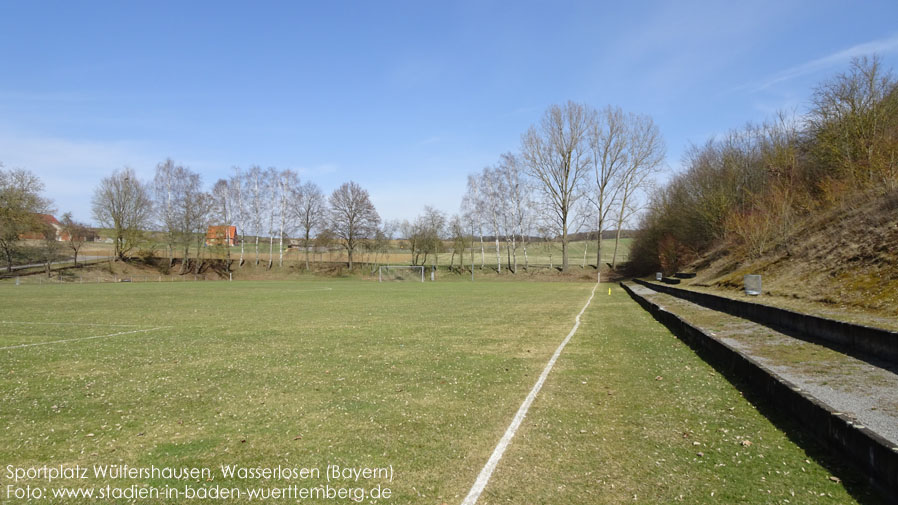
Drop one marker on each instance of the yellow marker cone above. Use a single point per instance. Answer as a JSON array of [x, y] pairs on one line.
[[609, 291]]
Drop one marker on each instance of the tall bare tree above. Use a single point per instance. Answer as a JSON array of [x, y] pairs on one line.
[[122, 202], [646, 152], [433, 224], [168, 189], [239, 211], [192, 210], [271, 176], [352, 215], [608, 140], [256, 186], [223, 216], [200, 211], [518, 199], [288, 190], [309, 208], [492, 196], [20, 203], [472, 208], [556, 154]]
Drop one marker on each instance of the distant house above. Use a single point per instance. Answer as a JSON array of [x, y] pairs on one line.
[[221, 235], [45, 220]]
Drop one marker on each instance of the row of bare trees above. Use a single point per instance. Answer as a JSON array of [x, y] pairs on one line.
[[578, 168], [262, 204]]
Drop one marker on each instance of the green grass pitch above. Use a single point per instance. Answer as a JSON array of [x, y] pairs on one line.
[[419, 378]]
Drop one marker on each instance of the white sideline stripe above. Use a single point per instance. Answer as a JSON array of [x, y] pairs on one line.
[[82, 338], [67, 324], [487, 471]]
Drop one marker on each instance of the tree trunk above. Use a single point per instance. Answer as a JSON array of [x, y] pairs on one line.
[[498, 256], [564, 248], [307, 251], [514, 250], [242, 241], [185, 260], [616, 242], [257, 250], [482, 252], [228, 252], [585, 249], [270, 251], [599, 252]]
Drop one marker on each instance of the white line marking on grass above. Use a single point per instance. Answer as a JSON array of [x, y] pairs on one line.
[[67, 324], [487, 471], [83, 338]]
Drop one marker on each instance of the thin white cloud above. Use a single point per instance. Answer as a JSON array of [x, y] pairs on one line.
[[880, 46]]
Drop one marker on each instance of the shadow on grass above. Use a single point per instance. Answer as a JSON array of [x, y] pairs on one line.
[[859, 485], [855, 482]]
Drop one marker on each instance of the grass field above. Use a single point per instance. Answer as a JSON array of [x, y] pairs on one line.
[[420, 378]]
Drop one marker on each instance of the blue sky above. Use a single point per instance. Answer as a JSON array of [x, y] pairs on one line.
[[405, 98]]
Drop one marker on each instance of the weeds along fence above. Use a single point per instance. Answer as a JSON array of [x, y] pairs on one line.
[[43, 280]]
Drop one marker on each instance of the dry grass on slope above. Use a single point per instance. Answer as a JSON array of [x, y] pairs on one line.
[[845, 257]]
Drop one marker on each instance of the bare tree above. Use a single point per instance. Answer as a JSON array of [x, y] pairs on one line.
[[556, 154], [20, 203], [518, 198], [646, 155], [492, 201], [75, 234], [459, 240], [239, 211], [168, 189], [200, 214], [352, 215], [472, 208], [288, 190], [433, 223], [256, 187], [191, 208], [122, 202], [222, 216], [608, 140], [310, 211], [852, 120], [273, 187], [50, 249]]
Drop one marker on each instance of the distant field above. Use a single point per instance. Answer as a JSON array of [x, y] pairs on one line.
[[538, 253], [422, 378]]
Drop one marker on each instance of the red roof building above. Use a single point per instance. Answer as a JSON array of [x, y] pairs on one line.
[[47, 220], [219, 235]]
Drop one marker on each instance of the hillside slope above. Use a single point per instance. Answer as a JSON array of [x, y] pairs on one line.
[[846, 256]]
